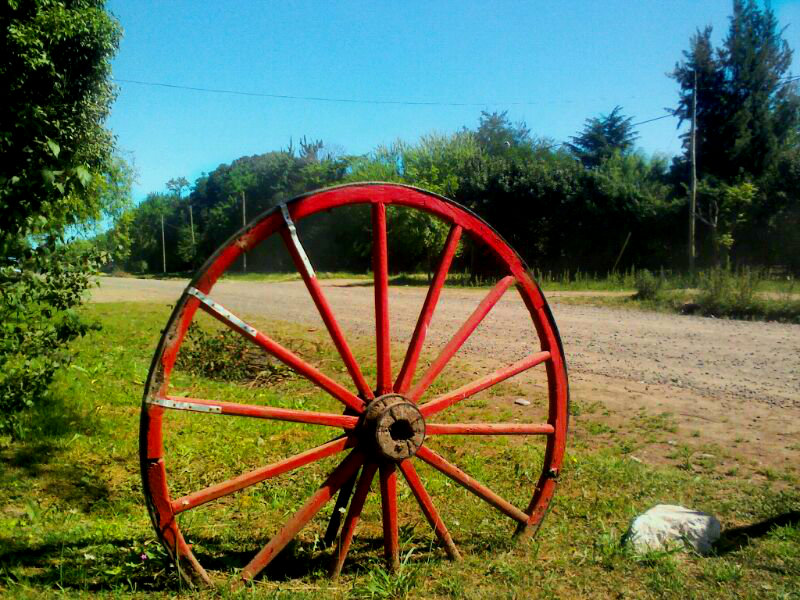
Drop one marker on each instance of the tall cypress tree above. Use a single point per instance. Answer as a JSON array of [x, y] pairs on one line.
[[747, 111], [748, 119], [762, 107], [603, 136]]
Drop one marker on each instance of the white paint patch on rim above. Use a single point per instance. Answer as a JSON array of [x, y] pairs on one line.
[[222, 311], [296, 240]]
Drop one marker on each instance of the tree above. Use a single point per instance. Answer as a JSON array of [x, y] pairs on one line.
[[746, 110], [57, 172], [748, 118], [187, 243], [56, 151], [145, 233], [497, 136], [603, 136], [723, 209]]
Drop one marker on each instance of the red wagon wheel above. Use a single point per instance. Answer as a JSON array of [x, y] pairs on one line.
[[386, 427]]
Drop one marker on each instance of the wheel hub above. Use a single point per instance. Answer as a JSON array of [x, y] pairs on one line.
[[395, 426]]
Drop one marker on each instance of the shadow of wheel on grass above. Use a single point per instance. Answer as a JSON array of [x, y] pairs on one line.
[[86, 564], [301, 558]]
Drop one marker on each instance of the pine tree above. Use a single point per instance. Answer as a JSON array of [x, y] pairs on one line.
[[603, 136], [746, 108], [701, 60]]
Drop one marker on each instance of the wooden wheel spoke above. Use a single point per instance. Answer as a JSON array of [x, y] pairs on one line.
[[312, 506], [488, 429], [258, 475], [426, 314], [391, 546], [439, 404], [428, 509], [257, 412], [342, 500], [474, 486], [303, 265], [353, 515], [461, 336], [284, 355], [380, 268]]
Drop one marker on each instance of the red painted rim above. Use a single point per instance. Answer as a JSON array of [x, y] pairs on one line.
[[345, 478]]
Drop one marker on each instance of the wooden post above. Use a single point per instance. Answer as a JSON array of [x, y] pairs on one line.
[[191, 224], [693, 190], [163, 247], [244, 222]]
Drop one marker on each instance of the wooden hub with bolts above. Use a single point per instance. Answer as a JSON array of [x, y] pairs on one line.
[[396, 425]]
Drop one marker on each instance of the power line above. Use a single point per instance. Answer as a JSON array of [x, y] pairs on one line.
[[339, 100], [342, 100], [653, 119], [319, 98]]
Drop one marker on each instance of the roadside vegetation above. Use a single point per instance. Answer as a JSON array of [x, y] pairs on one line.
[[73, 521], [591, 203], [750, 294], [719, 292]]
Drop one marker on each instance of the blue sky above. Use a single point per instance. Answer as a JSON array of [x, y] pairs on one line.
[[551, 64]]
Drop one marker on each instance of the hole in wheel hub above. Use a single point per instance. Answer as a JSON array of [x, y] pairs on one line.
[[401, 431], [395, 425]]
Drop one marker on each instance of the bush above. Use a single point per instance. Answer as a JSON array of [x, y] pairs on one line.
[[139, 266], [227, 356], [725, 292], [38, 295], [58, 174], [648, 286]]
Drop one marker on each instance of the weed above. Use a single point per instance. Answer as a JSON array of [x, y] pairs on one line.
[[227, 356], [648, 286], [723, 571], [626, 446], [595, 428], [683, 454], [382, 584]]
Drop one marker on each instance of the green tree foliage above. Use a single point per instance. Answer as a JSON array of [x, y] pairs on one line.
[[602, 137], [748, 118], [56, 152], [216, 199], [724, 209], [562, 206], [58, 171], [145, 233], [498, 137], [554, 211], [436, 163]]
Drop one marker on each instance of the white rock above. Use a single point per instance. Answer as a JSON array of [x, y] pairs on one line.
[[665, 527], [522, 402]]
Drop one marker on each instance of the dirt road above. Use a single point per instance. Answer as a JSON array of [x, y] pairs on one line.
[[737, 383]]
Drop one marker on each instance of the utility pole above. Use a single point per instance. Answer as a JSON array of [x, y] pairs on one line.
[[244, 222], [191, 224], [163, 247], [693, 190]]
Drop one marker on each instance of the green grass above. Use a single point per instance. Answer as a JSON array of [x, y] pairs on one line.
[[73, 521]]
